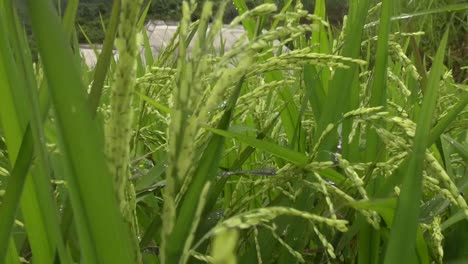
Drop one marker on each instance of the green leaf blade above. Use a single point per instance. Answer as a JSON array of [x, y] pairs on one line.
[[403, 234]]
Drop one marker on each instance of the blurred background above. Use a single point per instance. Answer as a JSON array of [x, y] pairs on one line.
[[92, 14]]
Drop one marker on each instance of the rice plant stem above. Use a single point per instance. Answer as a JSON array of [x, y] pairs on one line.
[[119, 126]]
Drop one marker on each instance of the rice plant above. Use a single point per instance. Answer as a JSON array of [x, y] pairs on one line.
[[303, 143]]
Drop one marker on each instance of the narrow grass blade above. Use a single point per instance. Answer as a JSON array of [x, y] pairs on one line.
[[379, 84], [248, 23], [104, 59], [143, 15], [420, 67], [455, 251], [316, 79], [386, 208], [69, 17], [444, 9], [89, 179], [445, 121], [237, 164], [405, 224], [205, 172], [457, 217], [435, 133], [12, 254], [285, 8], [37, 204], [290, 117], [461, 149], [315, 90], [272, 148], [149, 60], [150, 231], [158, 106], [338, 100], [368, 238], [10, 201]]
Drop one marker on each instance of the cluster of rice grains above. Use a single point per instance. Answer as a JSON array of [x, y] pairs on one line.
[[196, 92], [119, 124]]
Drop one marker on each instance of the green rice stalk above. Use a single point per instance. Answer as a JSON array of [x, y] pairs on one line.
[[224, 246], [257, 246], [399, 55], [197, 218], [177, 171], [278, 238], [119, 125], [325, 243], [261, 10], [104, 60], [264, 215], [447, 181], [324, 190], [405, 225], [201, 257]]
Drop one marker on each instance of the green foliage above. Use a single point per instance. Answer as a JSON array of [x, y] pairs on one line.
[[435, 25], [171, 9], [89, 18], [341, 148]]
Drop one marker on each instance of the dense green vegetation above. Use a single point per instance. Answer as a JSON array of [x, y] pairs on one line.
[[91, 15], [349, 147], [91, 12]]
